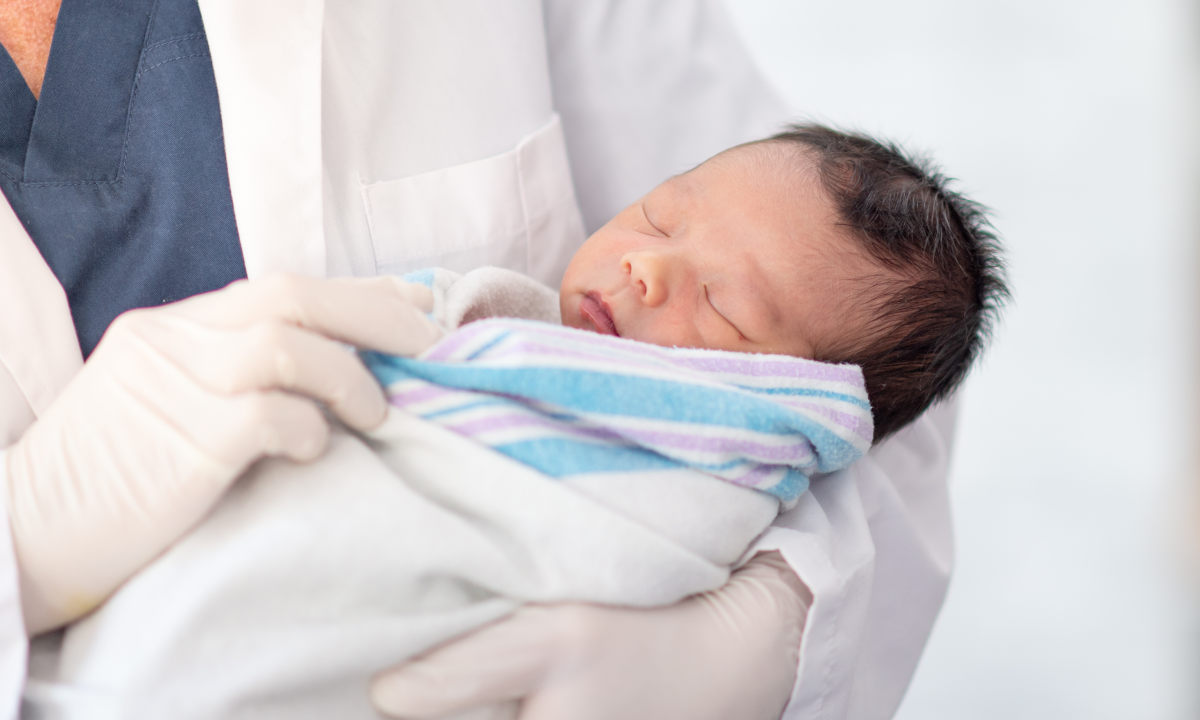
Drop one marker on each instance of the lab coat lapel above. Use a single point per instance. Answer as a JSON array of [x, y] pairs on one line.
[[266, 55], [38, 345]]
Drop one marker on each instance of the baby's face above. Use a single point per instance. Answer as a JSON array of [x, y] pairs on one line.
[[743, 253]]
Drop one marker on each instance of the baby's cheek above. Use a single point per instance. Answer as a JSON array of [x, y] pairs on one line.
[[714, 332], [568, 309], [668, 330]]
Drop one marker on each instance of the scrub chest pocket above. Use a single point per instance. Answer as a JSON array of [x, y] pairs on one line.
[[515, 210]]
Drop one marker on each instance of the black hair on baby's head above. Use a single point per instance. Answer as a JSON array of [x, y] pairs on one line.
[[934, 308]]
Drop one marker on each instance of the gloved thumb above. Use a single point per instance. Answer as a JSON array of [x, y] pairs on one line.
[[498, 664]]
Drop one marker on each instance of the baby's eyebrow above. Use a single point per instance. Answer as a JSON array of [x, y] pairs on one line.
[[680, 184], [672, 202]]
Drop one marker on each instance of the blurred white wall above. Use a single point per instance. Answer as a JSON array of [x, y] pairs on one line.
[[1076, 121]]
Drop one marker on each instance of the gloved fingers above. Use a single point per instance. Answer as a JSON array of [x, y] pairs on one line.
[[132, 453], [770, 574], [732, 652], [269, 355], [420, 296], [265, 423], [764, 586], [380, 313], [501, 662], [172, 405], [152, 362]]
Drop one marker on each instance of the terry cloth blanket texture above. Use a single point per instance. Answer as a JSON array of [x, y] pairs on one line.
[[521, 463], [568, 402]]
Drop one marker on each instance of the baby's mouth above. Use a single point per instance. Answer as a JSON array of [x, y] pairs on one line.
[[597, 312]]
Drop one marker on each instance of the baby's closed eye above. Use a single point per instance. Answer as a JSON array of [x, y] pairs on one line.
[[653, 228], [709, 300]]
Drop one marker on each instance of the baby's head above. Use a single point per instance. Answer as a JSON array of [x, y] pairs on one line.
[[812, 243]]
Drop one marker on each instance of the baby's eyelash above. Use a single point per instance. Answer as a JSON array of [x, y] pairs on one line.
[[718, 312], [651, 222]]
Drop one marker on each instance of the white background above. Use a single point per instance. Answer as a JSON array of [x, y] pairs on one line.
[[1076, 121]]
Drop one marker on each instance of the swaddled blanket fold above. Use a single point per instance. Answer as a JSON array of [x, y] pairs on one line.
[[520, 463], [569, 402]]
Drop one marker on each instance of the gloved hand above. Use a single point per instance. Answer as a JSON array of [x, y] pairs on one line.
[[731, 653], [173, 405]]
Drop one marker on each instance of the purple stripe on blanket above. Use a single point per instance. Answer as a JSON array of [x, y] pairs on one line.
[[854, 423], [725, 364], [445, 348], [776, 454], [761, 367], [612, 344], [420, 394], [508, 347], [512, 420], [717, 361], [605, 346], [754, 477], [532, 350], [524, 347]]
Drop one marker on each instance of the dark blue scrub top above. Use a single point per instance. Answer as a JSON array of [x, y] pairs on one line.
[[118, 171]]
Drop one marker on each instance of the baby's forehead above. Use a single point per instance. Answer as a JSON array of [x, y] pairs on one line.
[[769, 160], [818, 233], [764, 179], [769, 181], [799, 230]]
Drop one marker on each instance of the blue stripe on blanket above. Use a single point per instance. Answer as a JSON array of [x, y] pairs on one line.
[[420, 277], [560, 458], [568, 402], [635, 397]]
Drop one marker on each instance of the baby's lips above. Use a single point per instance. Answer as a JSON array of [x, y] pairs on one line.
[[597, 313]]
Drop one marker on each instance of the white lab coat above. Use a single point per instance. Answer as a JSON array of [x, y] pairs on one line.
[[371, 136]]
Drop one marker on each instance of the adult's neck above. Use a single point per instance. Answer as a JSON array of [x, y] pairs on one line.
[[26, 29]]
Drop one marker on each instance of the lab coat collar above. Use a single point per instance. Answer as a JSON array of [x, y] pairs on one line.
[[266, 55], [38, 345]]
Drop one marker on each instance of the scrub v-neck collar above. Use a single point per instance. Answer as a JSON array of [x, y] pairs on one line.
[[16, 117], [75, 132]]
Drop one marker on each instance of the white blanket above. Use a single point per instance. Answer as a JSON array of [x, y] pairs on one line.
[[307, 579]]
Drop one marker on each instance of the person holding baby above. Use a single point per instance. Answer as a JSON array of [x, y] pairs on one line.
[[166, 149]]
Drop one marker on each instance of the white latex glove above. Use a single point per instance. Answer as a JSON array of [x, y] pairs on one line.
[[173, 405], [731, 653]]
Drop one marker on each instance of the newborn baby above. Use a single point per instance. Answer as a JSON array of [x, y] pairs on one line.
[[756, 274], [814, 244]]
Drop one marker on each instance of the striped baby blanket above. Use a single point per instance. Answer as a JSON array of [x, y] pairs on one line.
[[569, 403], [447, 516]]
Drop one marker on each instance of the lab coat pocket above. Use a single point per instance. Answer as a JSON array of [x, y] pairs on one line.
[[515, 210]]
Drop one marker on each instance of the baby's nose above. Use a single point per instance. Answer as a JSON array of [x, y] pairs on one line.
[[649, 272]]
